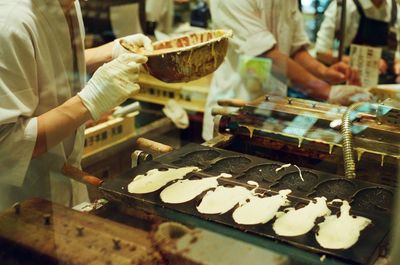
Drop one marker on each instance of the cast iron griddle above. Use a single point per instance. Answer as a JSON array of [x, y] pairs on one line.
[[243, 168]]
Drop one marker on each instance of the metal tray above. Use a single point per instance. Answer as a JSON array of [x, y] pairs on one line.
[[367, 199]]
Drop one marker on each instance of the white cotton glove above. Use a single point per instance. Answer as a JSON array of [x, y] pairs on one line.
[[176, 114], [138, 40], [112, 84], [347, 94]]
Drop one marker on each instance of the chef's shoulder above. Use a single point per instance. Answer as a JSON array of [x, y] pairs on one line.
[[17, 17]]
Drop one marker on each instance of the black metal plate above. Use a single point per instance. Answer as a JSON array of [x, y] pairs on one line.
[[363, 252]]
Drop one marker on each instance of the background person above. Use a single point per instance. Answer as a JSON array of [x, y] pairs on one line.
[[271, 29], [368, 22]]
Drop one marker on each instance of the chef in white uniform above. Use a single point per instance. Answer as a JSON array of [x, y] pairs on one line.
[[45, 100], [384, 13], [162, 13], [272, 29]]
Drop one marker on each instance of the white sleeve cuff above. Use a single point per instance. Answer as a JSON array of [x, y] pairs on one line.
[[298, 46], [31, 131], [258, 44]]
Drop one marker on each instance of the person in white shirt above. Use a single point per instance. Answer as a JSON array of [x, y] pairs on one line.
[[271, 29], [161, 13], [45, 99], [368, 22]]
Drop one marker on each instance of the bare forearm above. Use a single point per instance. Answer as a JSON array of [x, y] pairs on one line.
[[285, 67], [313, 66], [328, 58], [96, 57], [57, 124]]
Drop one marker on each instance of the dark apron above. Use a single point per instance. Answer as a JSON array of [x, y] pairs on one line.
[[376, 33]]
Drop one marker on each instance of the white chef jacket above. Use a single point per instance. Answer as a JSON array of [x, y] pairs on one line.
[[258, 26], [36, 75], [331, 23], [162, 12]]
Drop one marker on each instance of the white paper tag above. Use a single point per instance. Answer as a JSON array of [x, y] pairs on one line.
[[366, 60]]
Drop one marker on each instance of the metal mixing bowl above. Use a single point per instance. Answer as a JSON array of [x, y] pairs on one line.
[[186, 58]]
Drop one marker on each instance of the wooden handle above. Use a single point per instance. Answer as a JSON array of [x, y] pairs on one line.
[[220, 111], [146, 144], [81, 176], [232, 103]]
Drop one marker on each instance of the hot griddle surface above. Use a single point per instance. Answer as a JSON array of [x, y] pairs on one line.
[[368, 200]]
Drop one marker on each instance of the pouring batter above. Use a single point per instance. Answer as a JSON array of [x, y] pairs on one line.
[[222, 199], [186, 190], [341, 232], [156, 178], [260, 210], [301, 221]]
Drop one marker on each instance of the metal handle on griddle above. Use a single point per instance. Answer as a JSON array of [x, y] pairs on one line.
[[139, 156], [81, 176]]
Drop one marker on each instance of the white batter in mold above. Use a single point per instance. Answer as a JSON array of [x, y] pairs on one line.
[[260, 210], [186, 190], [155, 179], [222, 199], [341, 232], [299, 222]]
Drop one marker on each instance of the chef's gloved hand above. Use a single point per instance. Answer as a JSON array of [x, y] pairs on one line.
[[112, 84], [137, 40], [176, 114], [347, 95]]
